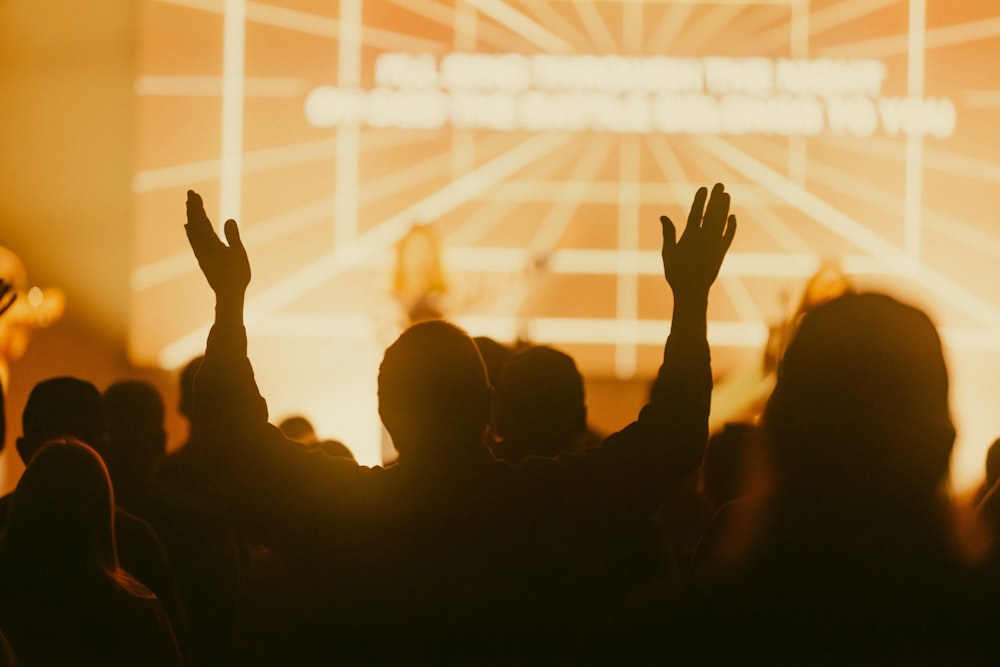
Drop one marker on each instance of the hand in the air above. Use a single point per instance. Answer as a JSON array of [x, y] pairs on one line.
[[226, 268], [692, 263]]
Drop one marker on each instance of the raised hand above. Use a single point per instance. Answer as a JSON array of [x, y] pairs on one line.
[[691, 264], [226, 268], [7, 297]]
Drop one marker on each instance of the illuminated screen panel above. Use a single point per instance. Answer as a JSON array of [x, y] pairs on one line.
[[539, 142]]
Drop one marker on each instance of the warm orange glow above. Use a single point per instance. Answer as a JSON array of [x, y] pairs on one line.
[[541, 141]]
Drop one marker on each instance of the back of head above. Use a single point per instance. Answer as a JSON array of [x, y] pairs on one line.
[[433, 392], [861, 402], [540, 398], [299, 429], [62, 406], [134, 412], [61, 515]]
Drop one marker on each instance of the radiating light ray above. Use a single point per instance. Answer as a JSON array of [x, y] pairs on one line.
[[820, 20], [315, 24], [569, 196], [546, 15], [914, 174], [890, 202], [376, 239], [160, 85], [489, 214], [519, 24], [632, 27], [758, 19], [956, 230], [266, 159], [443, 14], [891, 45], [760, 201], [666, 158], [699, 35], [936, 159], [848, 228], [418, 173], [981, 99], [741, 299], [261, 233], [465, 25], [346, 172], [662, 39], [600, 36]]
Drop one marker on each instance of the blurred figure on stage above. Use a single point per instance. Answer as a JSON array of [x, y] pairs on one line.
[[29, 308]]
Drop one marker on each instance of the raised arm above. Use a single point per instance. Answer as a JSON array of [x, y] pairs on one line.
[[263, 477], [671, 432]]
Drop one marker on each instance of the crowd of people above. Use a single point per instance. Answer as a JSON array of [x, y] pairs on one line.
[[507, 532]]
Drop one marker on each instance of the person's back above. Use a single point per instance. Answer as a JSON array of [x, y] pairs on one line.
[[202, 550], [851, 552], [65, 599], [68, 406], [450, 550]]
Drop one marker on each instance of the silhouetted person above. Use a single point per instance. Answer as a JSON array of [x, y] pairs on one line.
[[299, 429], [202, 551], [849, 553], [451, 550], [68, 406], [184, 471], [65, 600], [538, 405]]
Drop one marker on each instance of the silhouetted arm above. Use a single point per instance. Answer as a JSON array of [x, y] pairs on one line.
[[263, 475], [668, 440]]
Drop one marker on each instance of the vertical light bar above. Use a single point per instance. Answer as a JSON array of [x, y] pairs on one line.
[[627, 296], [233, 55], [345, 215], [913, 219], [463, 146], [799, 48]]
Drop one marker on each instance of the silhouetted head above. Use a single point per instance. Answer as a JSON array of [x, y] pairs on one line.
[[62, 511], [299, 429], [860, 407], [540, 398], [136, 437], [434, 398], [186, 382], [62, 406]]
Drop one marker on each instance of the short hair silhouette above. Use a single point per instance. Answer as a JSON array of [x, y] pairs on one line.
[[299, 429], [432, 389], [540, 398], [861, 401], [134, 413], [62, 406]]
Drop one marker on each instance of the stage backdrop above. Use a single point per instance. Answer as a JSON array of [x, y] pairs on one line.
[[539, 142]]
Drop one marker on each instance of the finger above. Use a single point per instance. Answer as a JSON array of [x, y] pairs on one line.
[[697, 209], [717, 211], [232, 231], [669, 233], [730, 233], [196, 209]]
